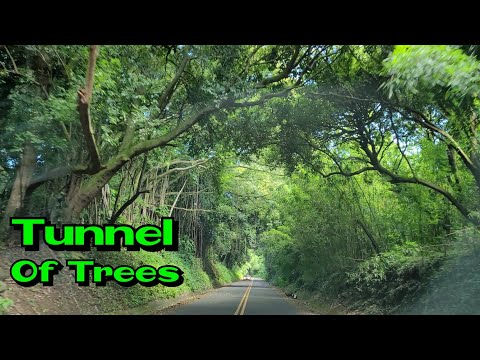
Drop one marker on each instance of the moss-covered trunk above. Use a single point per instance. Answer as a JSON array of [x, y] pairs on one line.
[[79, 200]]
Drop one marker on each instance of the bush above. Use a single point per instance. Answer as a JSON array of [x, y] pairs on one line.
[[224, 274], [396, 261], [384, 281], [196, 278]]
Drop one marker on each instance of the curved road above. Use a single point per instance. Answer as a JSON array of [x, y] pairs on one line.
[[255, 297]]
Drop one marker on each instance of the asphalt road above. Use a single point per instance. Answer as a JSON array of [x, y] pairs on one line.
[[255, 297]]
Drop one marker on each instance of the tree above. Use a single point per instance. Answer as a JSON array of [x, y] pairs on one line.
[[385, 131], [146, 97]]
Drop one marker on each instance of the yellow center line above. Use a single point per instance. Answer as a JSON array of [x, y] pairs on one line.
[[244, 300]]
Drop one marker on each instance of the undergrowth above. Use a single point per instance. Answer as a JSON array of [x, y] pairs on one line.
[[377, 285], [196, 278]]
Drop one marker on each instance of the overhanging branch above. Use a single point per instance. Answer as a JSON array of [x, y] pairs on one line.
[[349, 174], [284, 73], [185, 125]]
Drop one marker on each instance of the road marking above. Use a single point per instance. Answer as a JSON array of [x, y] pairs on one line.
[[244, 300]]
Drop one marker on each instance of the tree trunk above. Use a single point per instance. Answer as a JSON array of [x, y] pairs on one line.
[[370, 237], [80, 199], [20, 185], [87, 192]]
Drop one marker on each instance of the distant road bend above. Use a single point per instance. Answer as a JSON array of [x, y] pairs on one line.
[[247, 297]]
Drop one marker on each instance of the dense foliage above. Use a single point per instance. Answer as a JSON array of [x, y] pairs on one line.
[[350, 171]]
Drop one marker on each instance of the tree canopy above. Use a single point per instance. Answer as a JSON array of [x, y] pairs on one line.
[[304, 163]]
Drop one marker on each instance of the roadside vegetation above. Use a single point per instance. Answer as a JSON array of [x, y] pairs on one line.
[[348, 175]]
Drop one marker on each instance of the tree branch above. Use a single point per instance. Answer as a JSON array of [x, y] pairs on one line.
[[250, 57], [169, 90], [370, 236], [178, 161], [127, 138], [84, 98], [282, 75], [400, 148], [65, 132], [130, 201], [397, 179], [182, 168], [189, 192], [185, 125], [176, 198], [48, 175], [11, 59], [119, 191], [349, 174], [92, 60], [422, 120], [184, 209]]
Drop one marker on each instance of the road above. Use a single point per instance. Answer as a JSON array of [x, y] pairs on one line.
[[255, 297]]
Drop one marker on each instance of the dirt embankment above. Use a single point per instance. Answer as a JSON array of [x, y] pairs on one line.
[[64, 297]]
